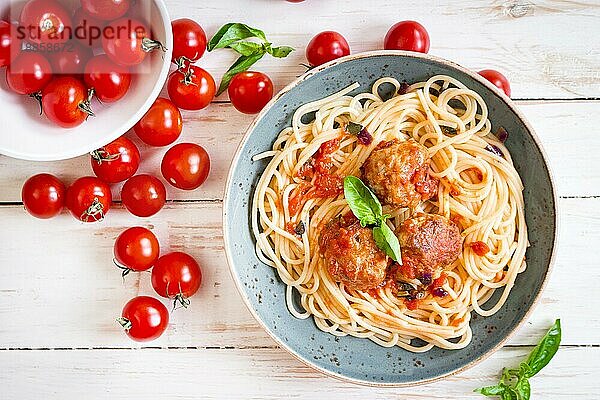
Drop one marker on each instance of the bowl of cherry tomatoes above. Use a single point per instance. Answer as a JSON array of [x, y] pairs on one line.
[[79, 73]]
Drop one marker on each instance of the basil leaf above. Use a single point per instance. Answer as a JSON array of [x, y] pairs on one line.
[[523, 389], [232, 32], [246, 48], [496, 390], [387, 241], [509, 394], [353, 128], [541, 355], [363, 203], [281, 51], [241, 65]]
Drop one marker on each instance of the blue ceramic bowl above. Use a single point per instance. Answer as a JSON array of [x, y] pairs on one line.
[[360, 360]]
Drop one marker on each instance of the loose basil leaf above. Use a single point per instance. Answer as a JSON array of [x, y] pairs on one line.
[[387, 241], [241, 65], [232, 32], [363, 203], [496, 390], [247, 48], [523, 388], [281, 51], [541, 355]]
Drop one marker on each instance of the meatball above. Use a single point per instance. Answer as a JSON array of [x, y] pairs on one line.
[[429, 243], [351, 255], [397, 171]]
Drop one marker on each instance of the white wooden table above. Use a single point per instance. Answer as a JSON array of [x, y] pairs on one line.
[[60, 293]]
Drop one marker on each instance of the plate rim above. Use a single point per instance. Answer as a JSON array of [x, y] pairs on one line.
[[265, 110]]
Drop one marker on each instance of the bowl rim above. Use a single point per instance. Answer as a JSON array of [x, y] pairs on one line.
[[133, 119], [372, 54]]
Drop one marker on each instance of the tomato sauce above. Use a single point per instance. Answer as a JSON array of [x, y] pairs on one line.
[[424, 184], [480, 248]]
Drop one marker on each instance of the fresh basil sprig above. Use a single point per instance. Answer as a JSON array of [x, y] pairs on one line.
[[232, 36], [514, 383], [367, 208]]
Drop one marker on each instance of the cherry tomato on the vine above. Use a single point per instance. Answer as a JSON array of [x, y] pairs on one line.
[[110, 81], [136, 249], [106, 10], [497, 79], [43, 196], [407, 35], [89, 199], [189, 41], [127, 41], [185, 166], [70, 62], [177, 276], [84, 29], [46, 21], [65, 102], [28, 73], [117, 161], [250, 91], [10, 44], [161, 125], [143, 195], [326, 46], [192, 89], [144, 318]]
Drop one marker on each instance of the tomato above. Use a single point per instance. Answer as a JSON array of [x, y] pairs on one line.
[[249, 91], [87, 29], [70, 62], [45, 21], [110, 81], [144, 318], [176, 276], [127, 41], [185, 166], [43, 196], [28, 73], [10, 44], [326, 46], [106, 10], [189, 41], [143, 195], [136, 249], [161, 125], [497, 79], [117, 161], [407, 35], [193, 89], [65, 102], [89, 199]]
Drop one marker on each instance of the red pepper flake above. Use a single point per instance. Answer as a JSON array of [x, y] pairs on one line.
[[403, 89], [364, 137], [502, 135], [480, 248]]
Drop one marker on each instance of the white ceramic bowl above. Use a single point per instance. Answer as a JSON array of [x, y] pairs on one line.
[[27, 135]]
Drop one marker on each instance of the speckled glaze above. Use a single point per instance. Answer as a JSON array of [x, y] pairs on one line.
[[360, 360]]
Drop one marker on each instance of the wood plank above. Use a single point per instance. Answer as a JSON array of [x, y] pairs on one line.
[[541, 52], [60, 289], [258, 373], [564, 129]]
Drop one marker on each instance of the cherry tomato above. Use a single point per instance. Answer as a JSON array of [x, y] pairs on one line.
[[193, 89], [10, 44], [249, 91], [185, 166], [497, 79], [89, 199], [45, 21], [117, 161], [161, 125], [107, 10], [110, 81], [176, 276], [43, 196], [144, 318], [70, 62], [143, 195], [136, 249], [189, 41], [87, 29], [326, 46], [65, 102], [127, 41], [407, 35], [28, 73]]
